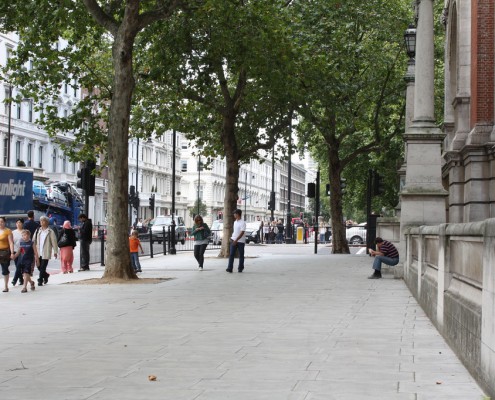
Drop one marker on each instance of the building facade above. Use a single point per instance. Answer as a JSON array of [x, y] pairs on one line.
[[256, 181], [23, 140], [469, 146]]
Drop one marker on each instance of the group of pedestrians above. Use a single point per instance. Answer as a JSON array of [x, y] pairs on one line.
[[33, 244]]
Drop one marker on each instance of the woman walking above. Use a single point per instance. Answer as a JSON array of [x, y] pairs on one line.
[[66, 244], [17, 235], [201, 234], [6, 251]]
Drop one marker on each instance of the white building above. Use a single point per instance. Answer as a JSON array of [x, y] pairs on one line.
[[255, 186], [150, 171], [30, 143]]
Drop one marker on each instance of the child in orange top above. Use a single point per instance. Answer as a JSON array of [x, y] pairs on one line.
[[134, 246]]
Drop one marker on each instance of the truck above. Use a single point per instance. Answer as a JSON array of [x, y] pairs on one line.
[[18, 196]]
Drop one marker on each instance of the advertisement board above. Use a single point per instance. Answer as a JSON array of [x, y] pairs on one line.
[[16, 190]]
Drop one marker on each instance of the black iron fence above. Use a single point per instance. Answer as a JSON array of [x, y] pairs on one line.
[[152, 244]]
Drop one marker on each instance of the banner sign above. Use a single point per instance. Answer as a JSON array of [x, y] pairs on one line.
[[16, 190]]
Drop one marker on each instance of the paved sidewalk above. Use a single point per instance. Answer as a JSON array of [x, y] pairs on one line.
[[293, 326]]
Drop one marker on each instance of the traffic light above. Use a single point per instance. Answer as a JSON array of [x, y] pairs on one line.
[[81, 175], [342, 185], [271, 202], [152, 202], [86, 179], [90, 177], [311, 190], [378, 184], [327, 190], [135, 201]]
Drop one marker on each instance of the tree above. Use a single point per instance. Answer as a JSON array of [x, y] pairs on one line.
[[352, 101], [224, 78], [203, 210], [40, 24]]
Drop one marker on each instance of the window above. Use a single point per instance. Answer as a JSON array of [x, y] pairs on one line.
[[42, 109], [6, 105], [54, 160], [5, 151], [66, 113], [19, 110], [30, 112], [66, 88], [17, 152], [40, 157], [75, 87], [183, 165], [30, 155], [64, 164]]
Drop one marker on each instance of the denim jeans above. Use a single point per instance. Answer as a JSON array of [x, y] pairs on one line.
[[240, 247], [135, 261], [377, 264]]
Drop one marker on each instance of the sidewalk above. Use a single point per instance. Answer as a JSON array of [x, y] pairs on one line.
[[293, 326]]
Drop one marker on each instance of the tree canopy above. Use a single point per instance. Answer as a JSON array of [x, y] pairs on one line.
[[350, 78]]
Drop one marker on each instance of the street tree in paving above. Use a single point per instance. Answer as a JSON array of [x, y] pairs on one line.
[[351, 79], [223, 75], [40, 24]]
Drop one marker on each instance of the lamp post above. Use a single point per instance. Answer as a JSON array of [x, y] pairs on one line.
[[289, 185], [199, 177], [245, 196], [174, 145], [9, 126], [137, 180]]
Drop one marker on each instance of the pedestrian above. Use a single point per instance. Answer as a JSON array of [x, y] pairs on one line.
[[85, 239], [386, 253], [237, 242], [6, 251], [31, 225], [266, 232], [66, 243], [134, 246], [322, 230], [280, 232], [44, 243], [25, 257], [201, 233], [17, 235]]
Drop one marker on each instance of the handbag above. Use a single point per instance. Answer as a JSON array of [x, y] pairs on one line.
[[4, 256], [64, 240]]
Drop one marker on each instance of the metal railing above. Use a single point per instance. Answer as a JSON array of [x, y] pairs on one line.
[[151, 244]]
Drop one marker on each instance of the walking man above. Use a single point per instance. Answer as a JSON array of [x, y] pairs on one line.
[[237, 242], [387, 253], [44, 243], [85, 237], [31, 225]]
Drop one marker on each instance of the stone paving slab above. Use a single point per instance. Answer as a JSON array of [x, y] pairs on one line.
[[293, 326]]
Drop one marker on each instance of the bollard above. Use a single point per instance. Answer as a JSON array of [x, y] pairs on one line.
[[300, 235]]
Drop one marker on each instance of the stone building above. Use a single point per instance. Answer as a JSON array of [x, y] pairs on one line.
[[469, 146]]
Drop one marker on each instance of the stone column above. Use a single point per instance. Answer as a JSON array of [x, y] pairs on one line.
[[423, 196]]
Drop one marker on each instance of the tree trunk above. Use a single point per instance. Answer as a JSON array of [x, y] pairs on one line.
[[118, 262], [339, 241], [232, 181]]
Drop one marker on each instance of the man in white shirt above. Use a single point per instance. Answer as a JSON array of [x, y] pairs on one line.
[[237, 242]]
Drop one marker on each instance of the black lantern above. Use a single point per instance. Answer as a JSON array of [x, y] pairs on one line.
[[410, 40]]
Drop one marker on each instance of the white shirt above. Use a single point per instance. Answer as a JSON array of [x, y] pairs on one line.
[[239, 226]]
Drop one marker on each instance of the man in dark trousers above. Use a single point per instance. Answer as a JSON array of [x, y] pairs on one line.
[[85, 239], [31, 225], [386, 253]]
